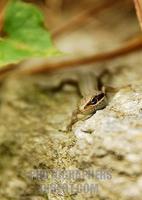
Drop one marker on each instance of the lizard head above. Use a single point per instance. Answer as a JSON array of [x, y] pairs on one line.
[[92, 103]]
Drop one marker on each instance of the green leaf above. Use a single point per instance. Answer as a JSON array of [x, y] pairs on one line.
[[26, 35]]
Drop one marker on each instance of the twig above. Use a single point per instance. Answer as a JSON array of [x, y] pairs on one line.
[[138, 5], [64, 63]]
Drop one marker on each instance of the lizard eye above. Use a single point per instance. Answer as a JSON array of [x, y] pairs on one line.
[[100, 96], [94, 100], [97, 98]]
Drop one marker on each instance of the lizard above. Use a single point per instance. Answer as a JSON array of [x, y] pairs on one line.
[[93, 97]]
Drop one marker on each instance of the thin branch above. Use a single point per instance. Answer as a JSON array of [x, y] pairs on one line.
[[138, 5], [64, 62]]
